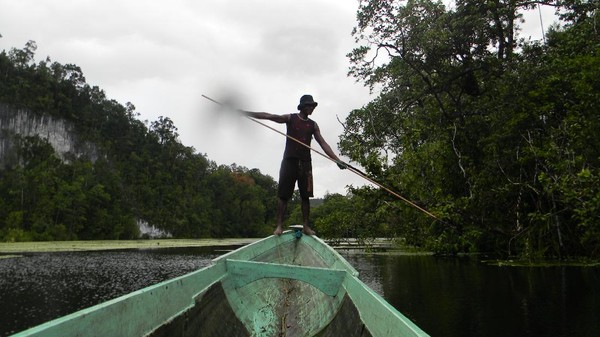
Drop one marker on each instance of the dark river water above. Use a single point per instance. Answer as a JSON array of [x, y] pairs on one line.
[[443, 296]]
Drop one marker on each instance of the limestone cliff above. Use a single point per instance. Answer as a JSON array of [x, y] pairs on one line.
[[59, 133]]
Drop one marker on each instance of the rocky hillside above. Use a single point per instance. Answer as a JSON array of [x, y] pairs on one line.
[[17, 124]]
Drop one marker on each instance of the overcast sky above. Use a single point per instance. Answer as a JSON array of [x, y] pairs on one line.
[[163, 55]]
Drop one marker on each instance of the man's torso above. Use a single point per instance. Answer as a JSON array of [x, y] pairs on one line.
[[303, 131]]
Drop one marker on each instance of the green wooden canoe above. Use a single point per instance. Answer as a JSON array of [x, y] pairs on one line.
[[278, 286]]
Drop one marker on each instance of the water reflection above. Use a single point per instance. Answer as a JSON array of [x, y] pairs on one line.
[[39, 287], [462, 297]]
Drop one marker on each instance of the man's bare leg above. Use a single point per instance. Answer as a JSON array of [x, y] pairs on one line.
[[281, 207], [305, 216]]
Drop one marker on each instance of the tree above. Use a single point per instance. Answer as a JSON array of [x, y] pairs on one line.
[[476, 124]]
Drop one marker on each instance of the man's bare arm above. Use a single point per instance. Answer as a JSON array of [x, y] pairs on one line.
[[268, 116], [327, 148]]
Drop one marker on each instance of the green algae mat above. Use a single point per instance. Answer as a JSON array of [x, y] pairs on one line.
[[65, 246]]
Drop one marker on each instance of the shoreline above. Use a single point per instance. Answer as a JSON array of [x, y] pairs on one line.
[[12, 248]]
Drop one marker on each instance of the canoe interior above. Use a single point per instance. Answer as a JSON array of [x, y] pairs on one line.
[[282, 306], [274, 306], [210, 315]]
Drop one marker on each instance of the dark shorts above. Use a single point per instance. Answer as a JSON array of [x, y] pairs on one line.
[[292, 171]]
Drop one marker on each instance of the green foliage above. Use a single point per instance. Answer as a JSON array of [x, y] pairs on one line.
[[495, 135], [361, 215], [135, 172]]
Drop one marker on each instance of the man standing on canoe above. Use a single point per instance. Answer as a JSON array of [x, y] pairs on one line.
[[296, 165]]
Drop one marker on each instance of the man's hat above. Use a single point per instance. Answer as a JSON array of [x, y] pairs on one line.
[[306, 100]]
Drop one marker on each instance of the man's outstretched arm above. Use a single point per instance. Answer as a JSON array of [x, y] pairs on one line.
[[268, 116]]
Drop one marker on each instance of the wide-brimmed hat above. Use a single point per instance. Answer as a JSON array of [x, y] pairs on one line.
[[306, 100]]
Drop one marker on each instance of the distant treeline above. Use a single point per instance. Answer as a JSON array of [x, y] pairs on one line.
[[141, 172]]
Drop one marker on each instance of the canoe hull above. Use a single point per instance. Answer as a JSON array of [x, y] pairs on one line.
[[277, 286]]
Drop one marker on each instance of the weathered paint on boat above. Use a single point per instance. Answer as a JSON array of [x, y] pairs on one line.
[[277, 286]]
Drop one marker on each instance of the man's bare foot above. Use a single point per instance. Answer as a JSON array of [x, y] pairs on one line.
[[308, 231], [278, 231]]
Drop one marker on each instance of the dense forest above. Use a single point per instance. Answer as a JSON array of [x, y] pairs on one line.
[[494, 134], [141, 174]]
